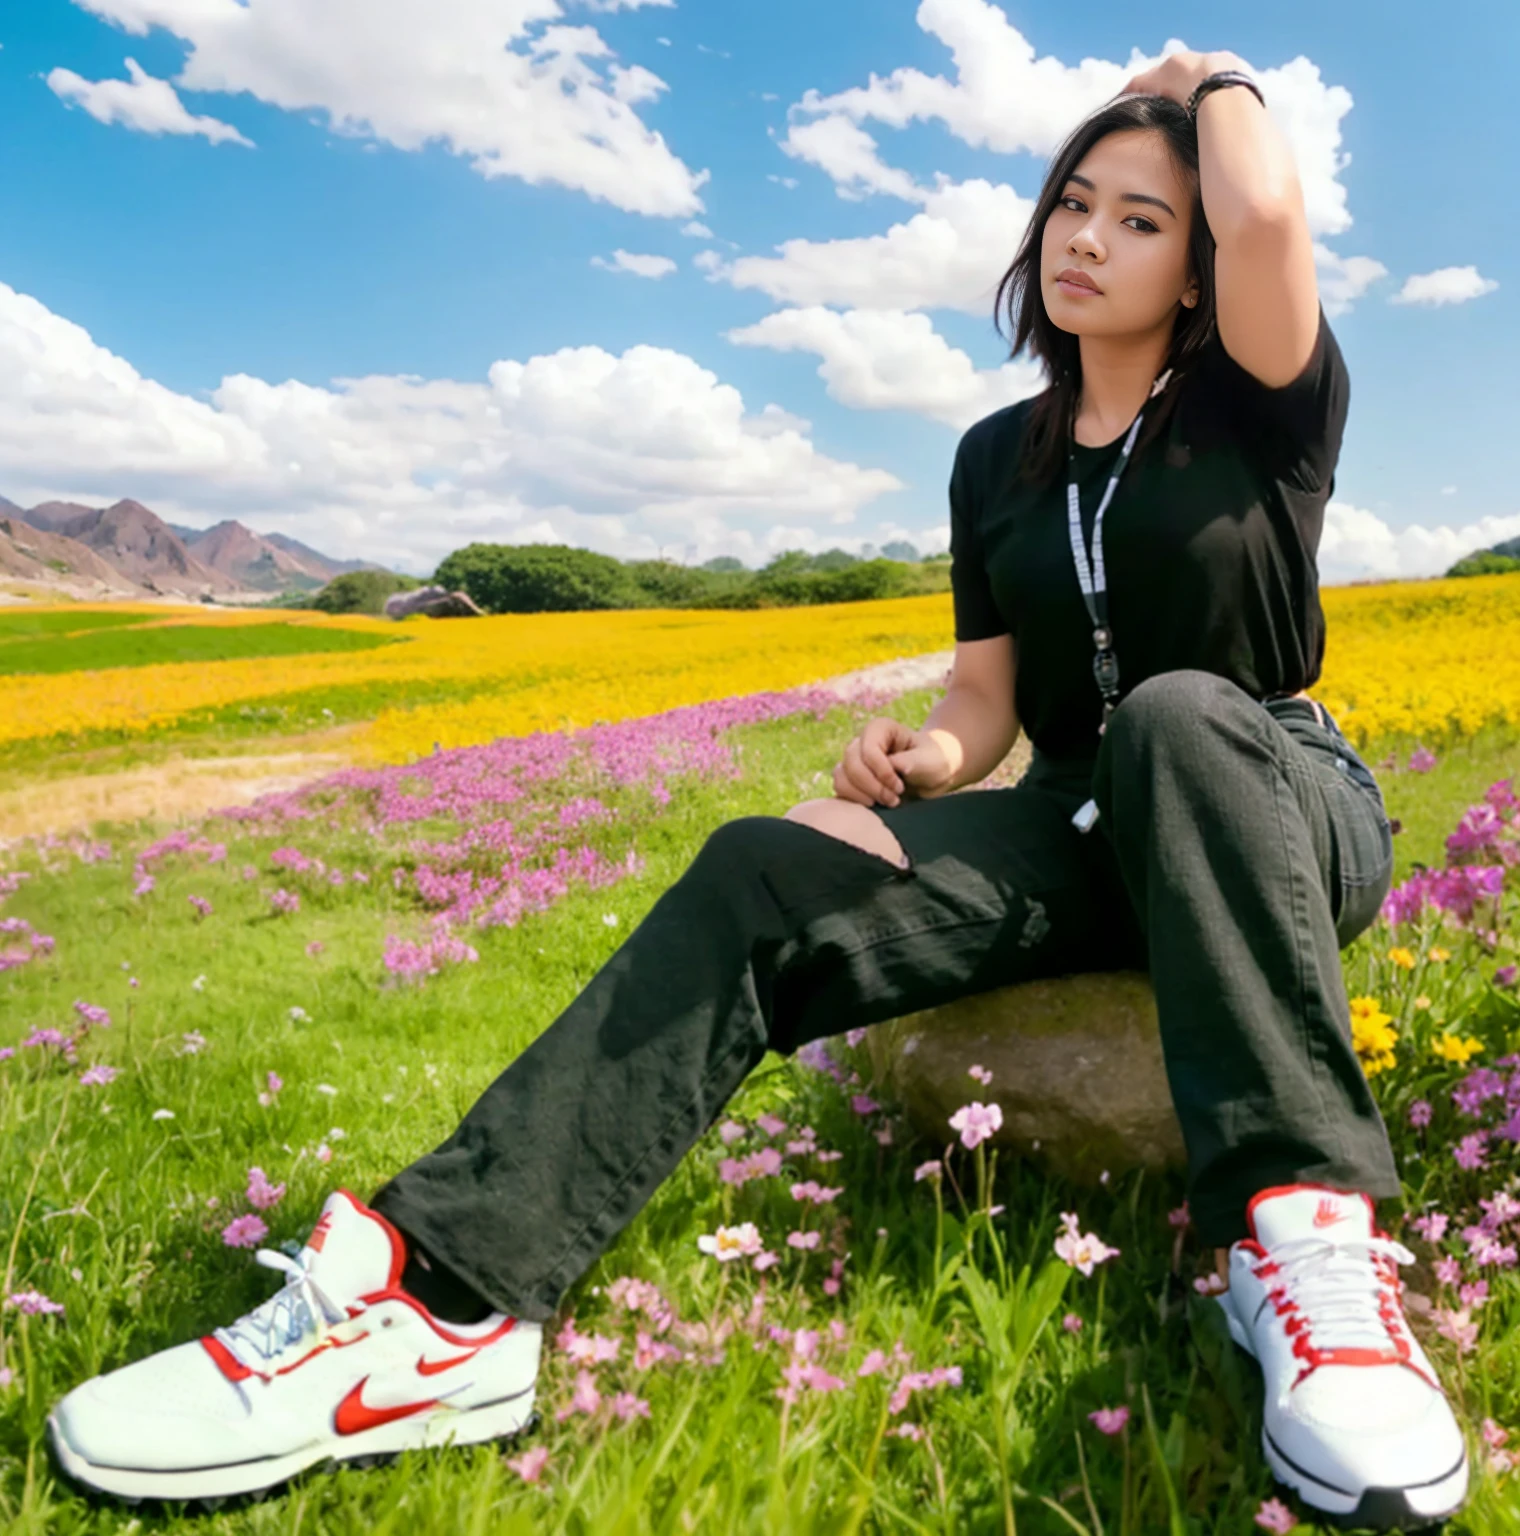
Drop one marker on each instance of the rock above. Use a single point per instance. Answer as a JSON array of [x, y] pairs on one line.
[[1076, 1063], [432, 603]]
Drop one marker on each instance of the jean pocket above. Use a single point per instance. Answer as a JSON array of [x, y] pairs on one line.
[[1363, 855]]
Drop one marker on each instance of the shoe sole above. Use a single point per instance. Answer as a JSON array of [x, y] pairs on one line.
[[504, 1419], [1382, 1509]]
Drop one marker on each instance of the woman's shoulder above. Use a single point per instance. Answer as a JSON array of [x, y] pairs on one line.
[[995, 437]]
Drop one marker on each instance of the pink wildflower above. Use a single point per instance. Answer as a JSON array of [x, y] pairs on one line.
[[1419, 1114], [803, 1239], [873, 1362], [727, 1243], [770, 1124], [626, 1406], [1110, 1420], [1458, 1327], [584, 1399], [96, 1076], [981, 1074], [930, 1170], [863, 1104], [530, 1465], [593, 1348], [1275, 1516], [99, 1018], [203, 908], [244, 1231], [730, 1131], [261, 1193], [1072, 1323], [33, 1303], [976, 1122], [1081, 1250]]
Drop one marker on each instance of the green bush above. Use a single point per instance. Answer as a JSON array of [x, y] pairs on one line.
[[1485, 563], [539, 578], [361, 591]]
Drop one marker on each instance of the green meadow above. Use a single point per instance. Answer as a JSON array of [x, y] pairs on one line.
[[116, 1195]]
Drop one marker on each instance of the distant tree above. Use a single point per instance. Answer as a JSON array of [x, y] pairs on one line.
[[790, 562], [900, 549], [834, 560], [539, 578], [724, 563], [360, 591], [1485, 563], [664, 584]]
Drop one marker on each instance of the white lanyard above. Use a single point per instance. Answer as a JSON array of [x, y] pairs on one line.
[[1091, 577], [1093, 583]]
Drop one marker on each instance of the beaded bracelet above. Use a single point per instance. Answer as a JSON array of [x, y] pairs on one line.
[[1220, 78]]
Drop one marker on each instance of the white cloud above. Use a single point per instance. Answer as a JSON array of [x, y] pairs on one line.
[[640, 266], [1446, 285], [621, 5], [1357, 544], [503, 83], [883, 360], [1344, 279], [697, 230], [949, 256], [622, 453], [144, 102], [846, 152], [1006, 99]]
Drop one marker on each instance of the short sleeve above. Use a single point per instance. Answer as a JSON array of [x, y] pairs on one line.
[[976, 610], [1294, 430]]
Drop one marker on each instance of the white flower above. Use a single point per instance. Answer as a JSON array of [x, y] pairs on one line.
[[337, 1133], [731, 1242], [326, 1088], [299, 1016], [610, 918], [199, 984], [163, 1114]]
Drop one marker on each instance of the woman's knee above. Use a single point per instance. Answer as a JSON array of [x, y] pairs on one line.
[[851, 823]]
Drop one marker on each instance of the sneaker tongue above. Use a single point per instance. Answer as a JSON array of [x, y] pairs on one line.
[[1298, 1212], [352, 1250]]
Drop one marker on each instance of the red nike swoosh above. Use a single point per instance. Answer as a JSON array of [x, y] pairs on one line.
[[354, 1415], [1323, 1220], [432, 1367]]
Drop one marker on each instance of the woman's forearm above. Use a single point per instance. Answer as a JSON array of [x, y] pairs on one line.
[[974, 732]]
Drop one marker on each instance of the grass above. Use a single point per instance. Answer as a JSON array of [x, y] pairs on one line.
[[93, 650], [25, 623], [119, 1225]]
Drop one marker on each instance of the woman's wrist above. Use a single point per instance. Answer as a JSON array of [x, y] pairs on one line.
[[1209, 64]]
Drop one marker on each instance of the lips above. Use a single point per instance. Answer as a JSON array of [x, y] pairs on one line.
[[1077, 278]]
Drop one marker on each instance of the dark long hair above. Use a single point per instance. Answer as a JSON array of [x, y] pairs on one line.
[[1043, 450]]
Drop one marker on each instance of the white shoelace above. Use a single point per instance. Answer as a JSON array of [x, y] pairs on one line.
[[299, 1312], [1337, 1287]]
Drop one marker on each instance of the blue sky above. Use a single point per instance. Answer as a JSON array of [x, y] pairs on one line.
[[277, 196]]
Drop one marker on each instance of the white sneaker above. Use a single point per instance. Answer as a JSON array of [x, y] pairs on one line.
[[1354, 1419], [340, 1363]]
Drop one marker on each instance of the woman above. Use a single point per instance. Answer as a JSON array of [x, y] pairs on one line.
[[1241, 843]]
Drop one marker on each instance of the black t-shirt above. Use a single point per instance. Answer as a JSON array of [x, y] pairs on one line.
[[1209, 544]]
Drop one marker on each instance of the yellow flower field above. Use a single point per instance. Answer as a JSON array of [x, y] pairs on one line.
[[1426, 660]]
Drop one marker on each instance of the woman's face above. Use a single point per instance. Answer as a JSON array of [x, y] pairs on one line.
[[1135, 251]]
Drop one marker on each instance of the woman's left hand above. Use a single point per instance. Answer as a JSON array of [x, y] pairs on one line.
[[1176, 75]]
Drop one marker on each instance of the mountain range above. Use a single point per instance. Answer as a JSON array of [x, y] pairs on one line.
[[127, 550]]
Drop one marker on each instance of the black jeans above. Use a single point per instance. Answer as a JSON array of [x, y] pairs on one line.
[[1239, 847]]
